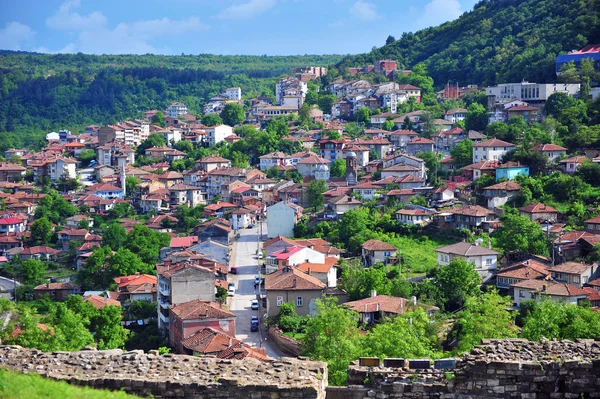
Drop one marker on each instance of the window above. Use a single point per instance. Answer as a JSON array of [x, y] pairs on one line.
[[299, 301], [521, 294], [576, 279], [488, 262], [386, 254], [279, 300]]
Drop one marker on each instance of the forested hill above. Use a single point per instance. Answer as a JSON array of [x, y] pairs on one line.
[[499, 41], [40, 92]]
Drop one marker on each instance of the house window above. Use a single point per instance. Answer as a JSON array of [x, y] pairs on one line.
[[488, 262], [299, 301], [386, 254], [279, 300], [532, 295], [521, 294], [576, 279]]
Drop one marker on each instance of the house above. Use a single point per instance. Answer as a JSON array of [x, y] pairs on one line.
[[510, 170], [56, 291], [375, 251], [490, 150], [106, 191], [40, 252], [366, 191], [552, 151], [215, 249], [447, 139], [212, 162], [484, 259], [137, 287], [342, 204], [499, 194], [217, 134], [311, 165], [176, 109], [399, 138], [11, 172], [478, 169], [217, 229], [414, 217], [267, 161], [293, 256], [575, 273], [181, 194], [402, 170], [378, 307], [538, 211], [281, 219], [441, 195], [570, 165], [529, 113], [241, 218], [292, 285], [187, 318], [538, 290], [180, 283], [101, 301], [527, 270], [469, 216], [455, 115], [326, 272], [12, 224], [593, 225]]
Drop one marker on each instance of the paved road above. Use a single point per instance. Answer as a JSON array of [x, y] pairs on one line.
[[84, 175], [244, 257], [8, 286]]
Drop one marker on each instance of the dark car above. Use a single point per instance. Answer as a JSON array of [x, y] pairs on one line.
[[234, 270], [254, 324]]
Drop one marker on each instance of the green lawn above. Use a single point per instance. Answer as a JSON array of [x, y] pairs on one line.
[[32, 386], [418, 253]]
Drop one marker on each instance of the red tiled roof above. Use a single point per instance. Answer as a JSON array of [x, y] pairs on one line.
[[199, 309], [290, 278], [319, 267], [526, 270], [379, 303], [547, 147], [538, 207], [493, 143], [208, 341], [99, 302], [551, 288], [376, 245]]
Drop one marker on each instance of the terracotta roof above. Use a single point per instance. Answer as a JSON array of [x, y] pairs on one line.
[[571, 268], [242, 350], [313, 159], [401, 168], [413, 212], [551, 288], [522, 108], [466, 249], [538, 207], [470, 210], [291, 278], [419, 140], [183, 242], [493, 143], [508, 185], [547, 147], [593, 220], [526, 270], [319, 267], [408, 191], [135, 279], [209, 340], [594, 283], [56, 286], [99, 302], [576, 159], [277, 239], [376, 245], [199, 309], [379, 303], [594, 295]]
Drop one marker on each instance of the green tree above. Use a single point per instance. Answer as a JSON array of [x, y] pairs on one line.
[[114, 236], [359, 281], [212, 120], [560, 320], [457, 282], [233, 114], [41, 231], [388, 125], [569, 73], [477, 117], [125, 263], [86, 156], [33, 271], [462, 153], [70, 330], [363, 115], [153, 140], [338, 168], [158, 119], [146, 243], [31, 336], [333, 135], [109, 332], [589, 172], [315, 191], [432, 163], [332, 336], [325, 102], [95, 271], [518, 234], [304, 115], [131, 184], [390, 39], [485, 316]]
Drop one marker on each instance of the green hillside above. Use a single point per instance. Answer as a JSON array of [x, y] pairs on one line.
[[40, 92], [499, 41]]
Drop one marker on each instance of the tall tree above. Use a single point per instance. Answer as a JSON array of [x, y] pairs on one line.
[[338, 168], [159, 119], [477, 117], [518, 234], [363, 115], [109, 332], [390, 39], [550, 319], [462, 153], [315, 191], [211, 120], [457, 282], [41, 231], [233, 114], [33, 271]]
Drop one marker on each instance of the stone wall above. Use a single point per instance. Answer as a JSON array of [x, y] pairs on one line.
[[174, 376], [287, 345]]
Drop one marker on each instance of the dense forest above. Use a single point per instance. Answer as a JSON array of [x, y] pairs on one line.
[[499, 41], [40, 93]]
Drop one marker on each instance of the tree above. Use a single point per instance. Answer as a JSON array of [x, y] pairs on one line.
[[557, 103], [338, 168], [462, 153], [483, 317], [388, 125], [333, 135], [560, 320], [41, 231], [126, 263], [569, 73], [114, 236], [233, 114], [359, 281], [432, 163], [86, 156], [390, 39], [408, 124], [477, 117], [325, 102], [212, 120], [131, 184], [94, 272], [70, 330], [457, 282], [159, 119], [315, 191], [109, 333], [33, 271], [354, 130], [146, 243], [304, 116], [153, 140], [332, 336], [518, 234], [363, 115], [589, 172]]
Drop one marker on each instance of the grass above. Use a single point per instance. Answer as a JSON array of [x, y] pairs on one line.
[[296, 336], [419, 253], [32, 386]]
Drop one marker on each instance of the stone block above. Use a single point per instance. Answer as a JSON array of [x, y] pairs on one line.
[[394, 362], [445, 364], [419, 364]]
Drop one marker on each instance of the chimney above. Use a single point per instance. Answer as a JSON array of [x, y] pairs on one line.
[[309, 270], [544, 288], [294, 283], [373, 293]]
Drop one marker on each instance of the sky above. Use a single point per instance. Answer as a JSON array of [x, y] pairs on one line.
[[271, 27]]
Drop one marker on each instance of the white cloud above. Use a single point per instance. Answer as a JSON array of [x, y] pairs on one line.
[[67, 19], [439, 11], [14, 35], [364, 10], [246, 10]]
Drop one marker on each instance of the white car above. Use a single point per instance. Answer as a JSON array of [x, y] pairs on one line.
[[231, 291], [254, 304]]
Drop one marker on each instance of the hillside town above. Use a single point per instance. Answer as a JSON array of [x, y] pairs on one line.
[[223, 234]]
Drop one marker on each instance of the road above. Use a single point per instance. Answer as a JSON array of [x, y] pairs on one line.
[[244, 257], [8, 286], [84, 175]]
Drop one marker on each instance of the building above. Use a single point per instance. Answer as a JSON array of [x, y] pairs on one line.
[[552, 151], [12, 224], [529, 113], [539, 290], [180, 283], [414, 217], [484, 259], [375, 251], [510, 170], [342, 204], [176, 109], [326, 272], [212, 162], [311, 165], [593, 225], [378, 307], [268, 161], [467, 216], [455, 115], [490, 150], [527, 270], [539, 211], [417, 145], [590, 52], [56, 291], [281, 219], [292, 285], [530, 92], [499, 194], [575, 273], [570, 165], [233, 93], [137, 287], [293, 256], [10, 172], [185, 319]]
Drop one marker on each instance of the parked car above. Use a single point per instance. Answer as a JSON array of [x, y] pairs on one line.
[[260, 255], [251, 226], [254, 305], [231, 289], [234, 270], [256, 279], [254, 324]]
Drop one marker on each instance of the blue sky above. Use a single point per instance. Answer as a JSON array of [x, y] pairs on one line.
[[272, 27]]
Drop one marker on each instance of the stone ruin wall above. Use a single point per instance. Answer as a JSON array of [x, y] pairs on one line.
[[512, 368]]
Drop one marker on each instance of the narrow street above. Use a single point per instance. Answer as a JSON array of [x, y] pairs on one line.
[[244, 257]]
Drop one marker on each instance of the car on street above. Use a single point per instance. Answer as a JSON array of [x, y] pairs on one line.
[[231, 289], [256, 279], [254, 324], [260, 255], [254, 305], [250, 226], [234, 270]]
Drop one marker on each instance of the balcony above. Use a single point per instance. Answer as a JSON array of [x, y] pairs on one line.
[[163, 318], [164, 304], [164, 291]]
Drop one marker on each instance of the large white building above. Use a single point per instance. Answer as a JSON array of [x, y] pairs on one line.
[[491, 150], [176, 109], [484, 259], [530, 92], [216, 134], [281, 219], [290, 91], [233, 93]]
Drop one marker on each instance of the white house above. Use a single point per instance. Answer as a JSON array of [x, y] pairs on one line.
[[484, 259], [267, 161], [374, 251], [491, 150], [65, 167], [241, 218], [455, 115], [293, 256], [414, 217], [538, 290], [12, 224], [176, 109], [326, 272], [310, 165], [233, 93], [552, 151], [216, 134], [281, 219]]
